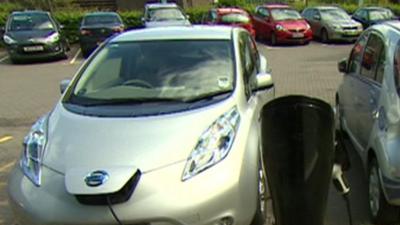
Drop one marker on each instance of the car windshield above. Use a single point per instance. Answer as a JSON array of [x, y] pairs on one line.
[[182, 70], [161, 14], [285, 14], [30, 22], [334, 14], [235, 18], [380, 14], [101, 19]]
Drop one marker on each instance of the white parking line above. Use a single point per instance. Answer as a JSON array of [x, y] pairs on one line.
[[75, 57], [4, 58], [6, 167]]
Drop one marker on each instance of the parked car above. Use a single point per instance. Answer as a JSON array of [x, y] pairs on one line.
[[332, 23], [34, 35], [368, 109], [280, 23], [121, 144], [97, 27], [164, 14], [368, 16], [230, 17]]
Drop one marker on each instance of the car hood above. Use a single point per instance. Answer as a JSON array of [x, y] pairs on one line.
[[167, 23], [29, 35], [148, 143], [293, 24]]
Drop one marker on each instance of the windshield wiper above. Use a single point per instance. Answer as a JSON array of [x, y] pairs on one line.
[[209, 96], [130, 101]]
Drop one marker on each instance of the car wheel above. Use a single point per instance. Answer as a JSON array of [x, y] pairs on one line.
[[64, 52], [380, 210], [273, 39], [324, 36]]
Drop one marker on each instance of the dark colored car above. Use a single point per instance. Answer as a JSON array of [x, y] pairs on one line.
[[231, 17], [368, 16], [34, 35], [279, 23], [97, 27]]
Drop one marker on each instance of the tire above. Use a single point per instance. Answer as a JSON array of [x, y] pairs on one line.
[[64, 52], [273, 39], [324, 36], [382, 213]]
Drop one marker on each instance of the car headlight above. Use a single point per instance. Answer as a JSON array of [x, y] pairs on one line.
[[336, 27], [213, 145], [8, 40], [308, 26], [34, 145], [53, 38], [279, 28]]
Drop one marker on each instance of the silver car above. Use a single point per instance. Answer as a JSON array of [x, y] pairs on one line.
[[331, 23], [368, 106], [164, 14], [159, 126]]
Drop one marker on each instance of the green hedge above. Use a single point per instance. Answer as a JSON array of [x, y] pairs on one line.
[[71, 18]]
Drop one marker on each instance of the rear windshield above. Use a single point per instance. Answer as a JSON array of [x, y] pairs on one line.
[[30, 22], [380, 14], [235, 18], [101, 19], [160, 14]]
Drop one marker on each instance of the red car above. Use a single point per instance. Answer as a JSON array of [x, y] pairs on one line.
[[280, 23], [231, 17]]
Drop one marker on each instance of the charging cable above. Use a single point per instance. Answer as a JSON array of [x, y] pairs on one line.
[[112, 210], [342, 187]]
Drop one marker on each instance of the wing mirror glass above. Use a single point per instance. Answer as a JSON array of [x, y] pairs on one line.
[[64, 84], [342, 66]]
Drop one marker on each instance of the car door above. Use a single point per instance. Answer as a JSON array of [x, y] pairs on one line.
[[347, 89], [368, 88], [262, 23], [314, 19]]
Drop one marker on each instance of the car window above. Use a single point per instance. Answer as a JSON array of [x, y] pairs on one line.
[[334, 14], [371, 55], [356, 53], [248, 58], [30, 21], [381, 66], [101, 19], [235, 18], [160, 14], [380, 14], [362, 14], [263, 12], [158, 69], [285, 14], [396, 67]]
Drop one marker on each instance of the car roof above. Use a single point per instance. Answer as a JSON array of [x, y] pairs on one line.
[[395, 24], [326, 7], [374, 8], [276, 6], [161, 5], [177, 33], [30, 12], [101, 14], [230, 10]]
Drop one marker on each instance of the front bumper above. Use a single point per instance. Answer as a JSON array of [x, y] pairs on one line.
[[160, 198], [343, 35], [51, 50], [391, 189], [293, 36]]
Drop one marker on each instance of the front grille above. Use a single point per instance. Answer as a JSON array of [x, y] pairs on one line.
[[120, 196], [349, 28], [297, 30]]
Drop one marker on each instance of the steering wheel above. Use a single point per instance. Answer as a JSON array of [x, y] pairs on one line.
[[139, 83]]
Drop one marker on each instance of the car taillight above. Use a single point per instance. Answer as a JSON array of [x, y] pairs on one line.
[[118, 29], [86, 32]]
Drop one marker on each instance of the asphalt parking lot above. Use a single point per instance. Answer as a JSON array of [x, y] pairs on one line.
[[30, 90]]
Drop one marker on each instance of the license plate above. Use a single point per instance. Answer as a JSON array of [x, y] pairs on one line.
[[297, 35], [33, 48]]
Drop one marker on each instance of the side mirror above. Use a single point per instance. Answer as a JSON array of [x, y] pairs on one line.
[[317, 17], [342, 66], [264, 81], [64, 84]]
